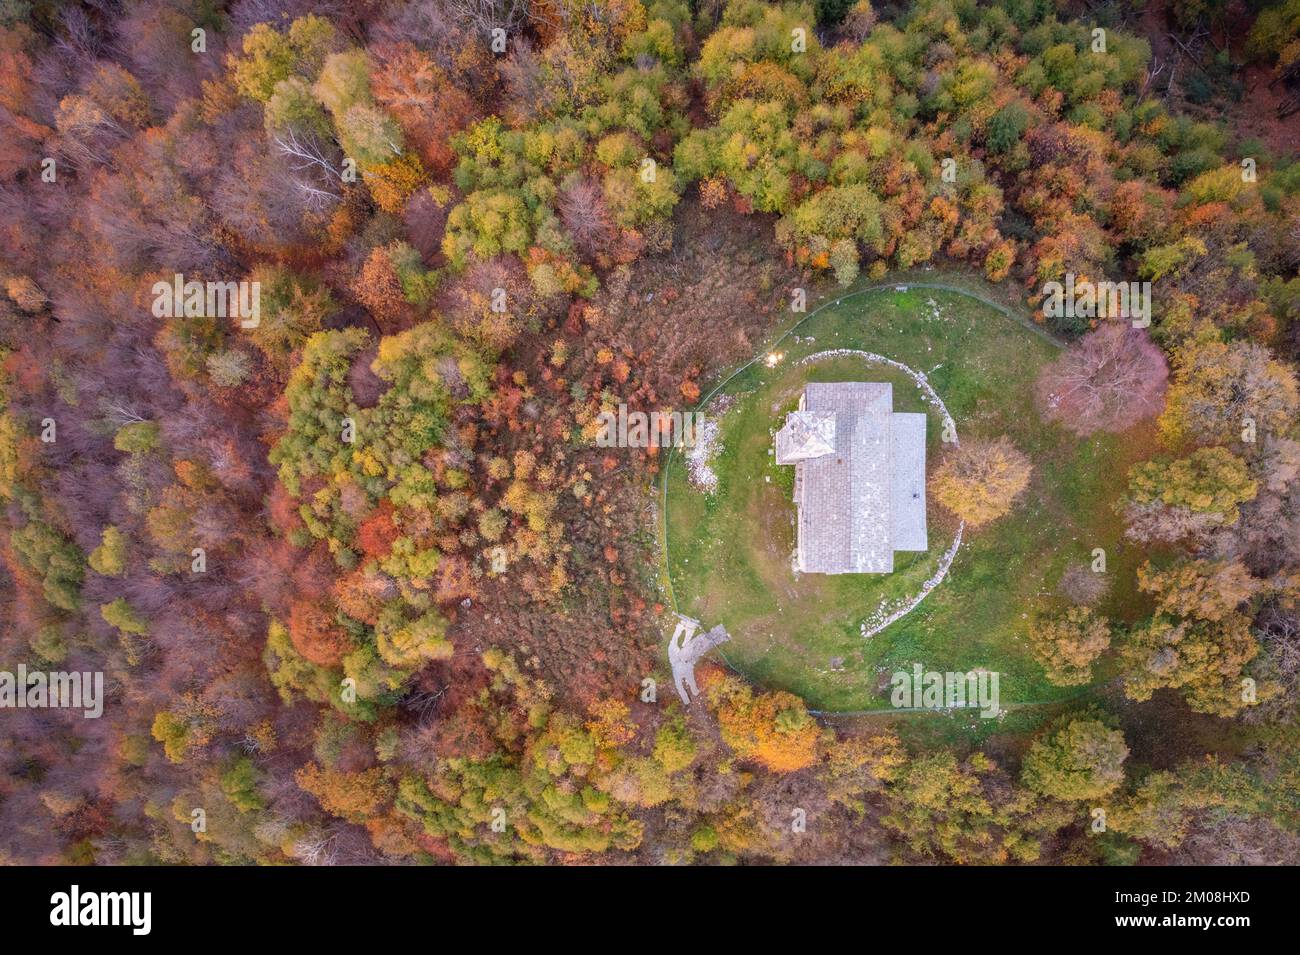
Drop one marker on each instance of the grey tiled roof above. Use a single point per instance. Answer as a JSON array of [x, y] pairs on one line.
[[807, 434], [908, 490], [863, 498]]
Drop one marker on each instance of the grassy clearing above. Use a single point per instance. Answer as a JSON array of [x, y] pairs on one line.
[[728, 553]]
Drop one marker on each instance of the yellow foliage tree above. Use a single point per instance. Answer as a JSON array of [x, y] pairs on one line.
[[981, 479], [1067, 645]]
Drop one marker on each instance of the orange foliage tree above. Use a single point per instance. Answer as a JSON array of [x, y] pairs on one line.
[[773, 728]]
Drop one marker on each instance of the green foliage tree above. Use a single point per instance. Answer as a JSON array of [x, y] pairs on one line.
[[138, 437], [293, 308], [188, 725], [239, 781], [1208, 481], [1080, 759], [57, 561], [120, 614], [484, 225], [410, 643], [1006, 127], [294, 109], [109, 558], [961, 811], [270, 57]]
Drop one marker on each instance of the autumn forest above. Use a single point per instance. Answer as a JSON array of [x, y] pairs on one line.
[[309, 312]]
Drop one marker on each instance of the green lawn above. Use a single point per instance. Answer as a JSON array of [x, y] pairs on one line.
[[728, 553]]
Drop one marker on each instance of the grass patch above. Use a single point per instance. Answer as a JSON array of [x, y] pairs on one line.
[[729, 552]]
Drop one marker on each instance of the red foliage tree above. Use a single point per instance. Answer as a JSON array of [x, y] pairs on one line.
[[376, 534], [411, 86], [1110, 380], [380, 291], [316, 634]]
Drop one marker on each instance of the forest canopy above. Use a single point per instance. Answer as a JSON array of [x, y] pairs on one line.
[[361, 583]]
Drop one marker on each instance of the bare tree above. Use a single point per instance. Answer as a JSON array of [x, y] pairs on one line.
[[1081, 585], [303, 152], [486, 15], [319, 847], [1278, 630], [582, 208], [1111, 379]]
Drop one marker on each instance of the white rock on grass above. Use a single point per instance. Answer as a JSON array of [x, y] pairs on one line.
[[699, 457]]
